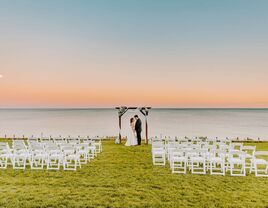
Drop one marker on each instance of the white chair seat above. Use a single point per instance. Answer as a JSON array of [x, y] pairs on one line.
[[235, 160], [249, 156], [216, 159], [178, 159], [55, 157], [159, 152], [38, 156], [261, 161], [198, 159], [71, 157]]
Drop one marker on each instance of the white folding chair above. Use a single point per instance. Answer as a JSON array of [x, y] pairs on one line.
[[98, 145], [54, 158], [83, 152], [37, 158], [159, 153], [216, 161], [4, 154], [170, 147], [250, 151], [237, 163], [178, 161], [159, 156], [260, 163], [91, 149], [19, 158], [70, 158], [197, 160]]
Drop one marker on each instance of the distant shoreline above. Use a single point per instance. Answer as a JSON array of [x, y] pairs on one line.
[[99, 108]]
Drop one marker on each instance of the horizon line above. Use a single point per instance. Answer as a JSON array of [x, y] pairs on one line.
[[165, 108]]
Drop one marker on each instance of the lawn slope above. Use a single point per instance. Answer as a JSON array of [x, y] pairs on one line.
[[125, 177]]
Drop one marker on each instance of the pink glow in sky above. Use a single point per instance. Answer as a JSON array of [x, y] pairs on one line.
[[162, 54]]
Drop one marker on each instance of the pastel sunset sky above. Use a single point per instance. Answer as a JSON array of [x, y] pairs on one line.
[[104, 53]]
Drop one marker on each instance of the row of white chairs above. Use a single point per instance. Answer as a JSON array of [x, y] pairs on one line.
[[167, 139], [217, 158], [53, 154]]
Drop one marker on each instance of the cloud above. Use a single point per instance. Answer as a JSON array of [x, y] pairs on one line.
[[1, 75]]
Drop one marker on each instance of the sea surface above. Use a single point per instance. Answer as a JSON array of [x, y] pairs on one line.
[[232, 123]]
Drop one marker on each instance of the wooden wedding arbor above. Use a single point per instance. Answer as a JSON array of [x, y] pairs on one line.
[[123, 109]]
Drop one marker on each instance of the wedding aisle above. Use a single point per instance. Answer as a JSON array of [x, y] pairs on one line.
[[125, 177]]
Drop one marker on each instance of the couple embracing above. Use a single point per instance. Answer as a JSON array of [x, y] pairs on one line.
[[134, 135]]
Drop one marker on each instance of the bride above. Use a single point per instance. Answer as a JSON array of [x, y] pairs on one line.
[[131, 137]]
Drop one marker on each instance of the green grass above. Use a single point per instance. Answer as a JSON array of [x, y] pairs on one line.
[[125, 177]]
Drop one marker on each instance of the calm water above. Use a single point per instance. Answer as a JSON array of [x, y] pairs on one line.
[[252, 123]]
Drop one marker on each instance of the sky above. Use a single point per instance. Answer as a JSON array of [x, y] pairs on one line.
[[103, 53]]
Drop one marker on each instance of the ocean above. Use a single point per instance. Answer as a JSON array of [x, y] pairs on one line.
[[231, 123]]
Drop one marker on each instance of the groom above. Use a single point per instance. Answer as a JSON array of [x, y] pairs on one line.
[[138, 129]]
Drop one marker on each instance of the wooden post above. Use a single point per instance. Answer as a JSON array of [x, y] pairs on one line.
[[120, 129], [146, 128], [146, 114]]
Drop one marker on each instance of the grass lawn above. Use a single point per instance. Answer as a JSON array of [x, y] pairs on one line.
[[125, 177]]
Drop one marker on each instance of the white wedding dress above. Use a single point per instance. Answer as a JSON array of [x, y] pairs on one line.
[[131, 136]]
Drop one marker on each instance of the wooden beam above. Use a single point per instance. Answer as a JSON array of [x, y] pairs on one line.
[[132, 108]]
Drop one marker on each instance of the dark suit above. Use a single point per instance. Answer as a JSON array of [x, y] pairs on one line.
[[138, 130]]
